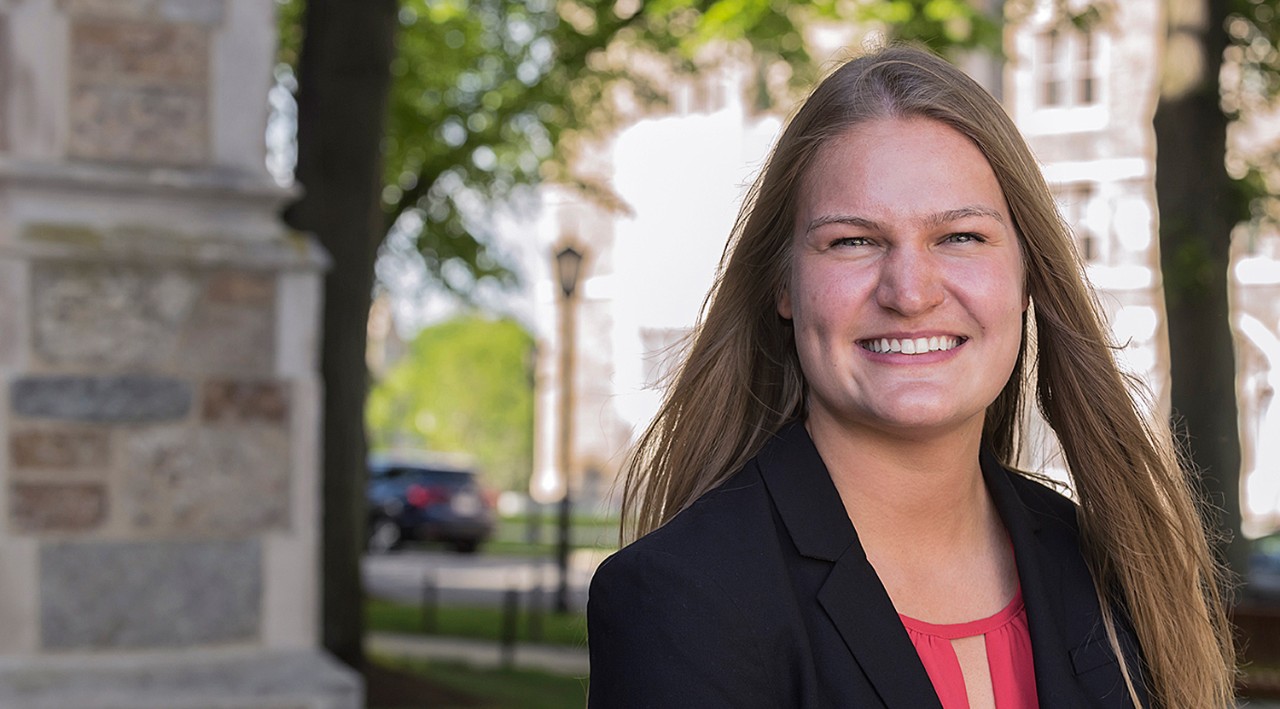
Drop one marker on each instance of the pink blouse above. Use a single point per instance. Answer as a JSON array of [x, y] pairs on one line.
[[1013, 675]]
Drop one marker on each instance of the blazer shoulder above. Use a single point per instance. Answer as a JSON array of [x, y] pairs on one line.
[[1045, 501], [672, 617], [725, 545], [731, 518]]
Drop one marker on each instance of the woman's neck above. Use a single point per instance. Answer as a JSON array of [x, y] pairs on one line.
[[922, 493], [923, 517], [924, 479]]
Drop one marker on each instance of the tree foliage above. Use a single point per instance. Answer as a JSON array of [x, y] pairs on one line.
[[491, 96], [465, 386], [1250, 87]]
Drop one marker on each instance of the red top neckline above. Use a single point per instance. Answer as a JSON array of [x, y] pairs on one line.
[[967, 629], [1010, 663]]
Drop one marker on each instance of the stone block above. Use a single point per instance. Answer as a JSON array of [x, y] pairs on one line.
[[6, 82], [291, 595], [132, 53], [100, 595], [57, 507], [139, 90], [59, 448], [123, 399], [202, 12], [19, 596], [298, 338], [116, 316], [109, 9], [232, 329], [15, 343], [214, 481], [246, 401], [241, 288], [156, 125]]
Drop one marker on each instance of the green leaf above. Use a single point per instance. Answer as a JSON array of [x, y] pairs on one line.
[[466, 386]]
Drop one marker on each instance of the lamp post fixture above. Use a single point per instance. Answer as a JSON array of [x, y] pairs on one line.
[[568, 268]]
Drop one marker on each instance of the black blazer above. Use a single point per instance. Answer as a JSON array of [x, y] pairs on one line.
[[760, 595]]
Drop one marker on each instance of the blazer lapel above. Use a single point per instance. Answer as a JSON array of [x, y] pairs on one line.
[[852, 595], [857, 604], [1042, 584]]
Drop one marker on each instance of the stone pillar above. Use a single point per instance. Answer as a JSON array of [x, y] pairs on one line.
[[159, 395]]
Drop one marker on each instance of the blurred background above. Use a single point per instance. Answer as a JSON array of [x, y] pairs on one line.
[[326, 326]]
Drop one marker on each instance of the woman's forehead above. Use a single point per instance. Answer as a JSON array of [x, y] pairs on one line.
[[915, 168]]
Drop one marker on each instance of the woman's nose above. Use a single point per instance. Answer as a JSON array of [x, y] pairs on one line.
[[910, 282]]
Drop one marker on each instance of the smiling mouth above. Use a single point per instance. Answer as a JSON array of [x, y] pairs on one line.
[[910, 346]]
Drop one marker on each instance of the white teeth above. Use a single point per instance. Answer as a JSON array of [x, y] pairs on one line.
[[911, 346]]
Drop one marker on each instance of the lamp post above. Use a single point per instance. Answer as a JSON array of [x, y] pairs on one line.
[[568, 268]]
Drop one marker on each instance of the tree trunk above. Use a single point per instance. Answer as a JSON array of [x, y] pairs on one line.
[[1198, 210], [343, 83]]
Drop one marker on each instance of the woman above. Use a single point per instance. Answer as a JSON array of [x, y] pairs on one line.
[[829, 513]]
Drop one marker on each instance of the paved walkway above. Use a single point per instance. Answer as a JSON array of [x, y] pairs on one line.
[[556, 659], [473, 579]]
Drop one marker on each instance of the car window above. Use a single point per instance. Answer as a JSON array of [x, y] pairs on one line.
[[446, 478], [1268, 546], [423, 476]]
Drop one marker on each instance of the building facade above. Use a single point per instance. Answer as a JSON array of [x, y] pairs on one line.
[[1084, 98]]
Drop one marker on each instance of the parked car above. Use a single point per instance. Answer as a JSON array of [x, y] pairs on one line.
[[1263, 577], [410, 500]]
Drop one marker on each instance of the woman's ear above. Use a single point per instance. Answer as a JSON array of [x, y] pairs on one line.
[[784, 302]]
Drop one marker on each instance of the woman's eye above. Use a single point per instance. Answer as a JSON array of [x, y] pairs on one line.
[[851, 241], [964, 237]]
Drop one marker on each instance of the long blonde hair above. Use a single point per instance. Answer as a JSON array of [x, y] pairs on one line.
[[740, 381]]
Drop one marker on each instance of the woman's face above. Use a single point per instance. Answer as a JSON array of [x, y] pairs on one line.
[[906, 285]]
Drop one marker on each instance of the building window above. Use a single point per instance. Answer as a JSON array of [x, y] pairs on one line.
[[1047, 69], [1074, 201], [1086, 68], [1067, 68]]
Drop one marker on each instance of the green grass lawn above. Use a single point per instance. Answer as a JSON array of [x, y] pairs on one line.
[[417, 684], [475, 622], [516, 535]]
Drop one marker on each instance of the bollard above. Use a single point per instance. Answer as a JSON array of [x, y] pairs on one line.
[[510, 617], [536, 605], [533, 526], [430, 604]]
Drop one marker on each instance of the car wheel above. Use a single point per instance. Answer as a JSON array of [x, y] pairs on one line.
[[466, 546], [384, 536]]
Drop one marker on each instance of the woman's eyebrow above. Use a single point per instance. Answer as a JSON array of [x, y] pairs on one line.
[[931, 220], [843, 219], [952, 215]]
